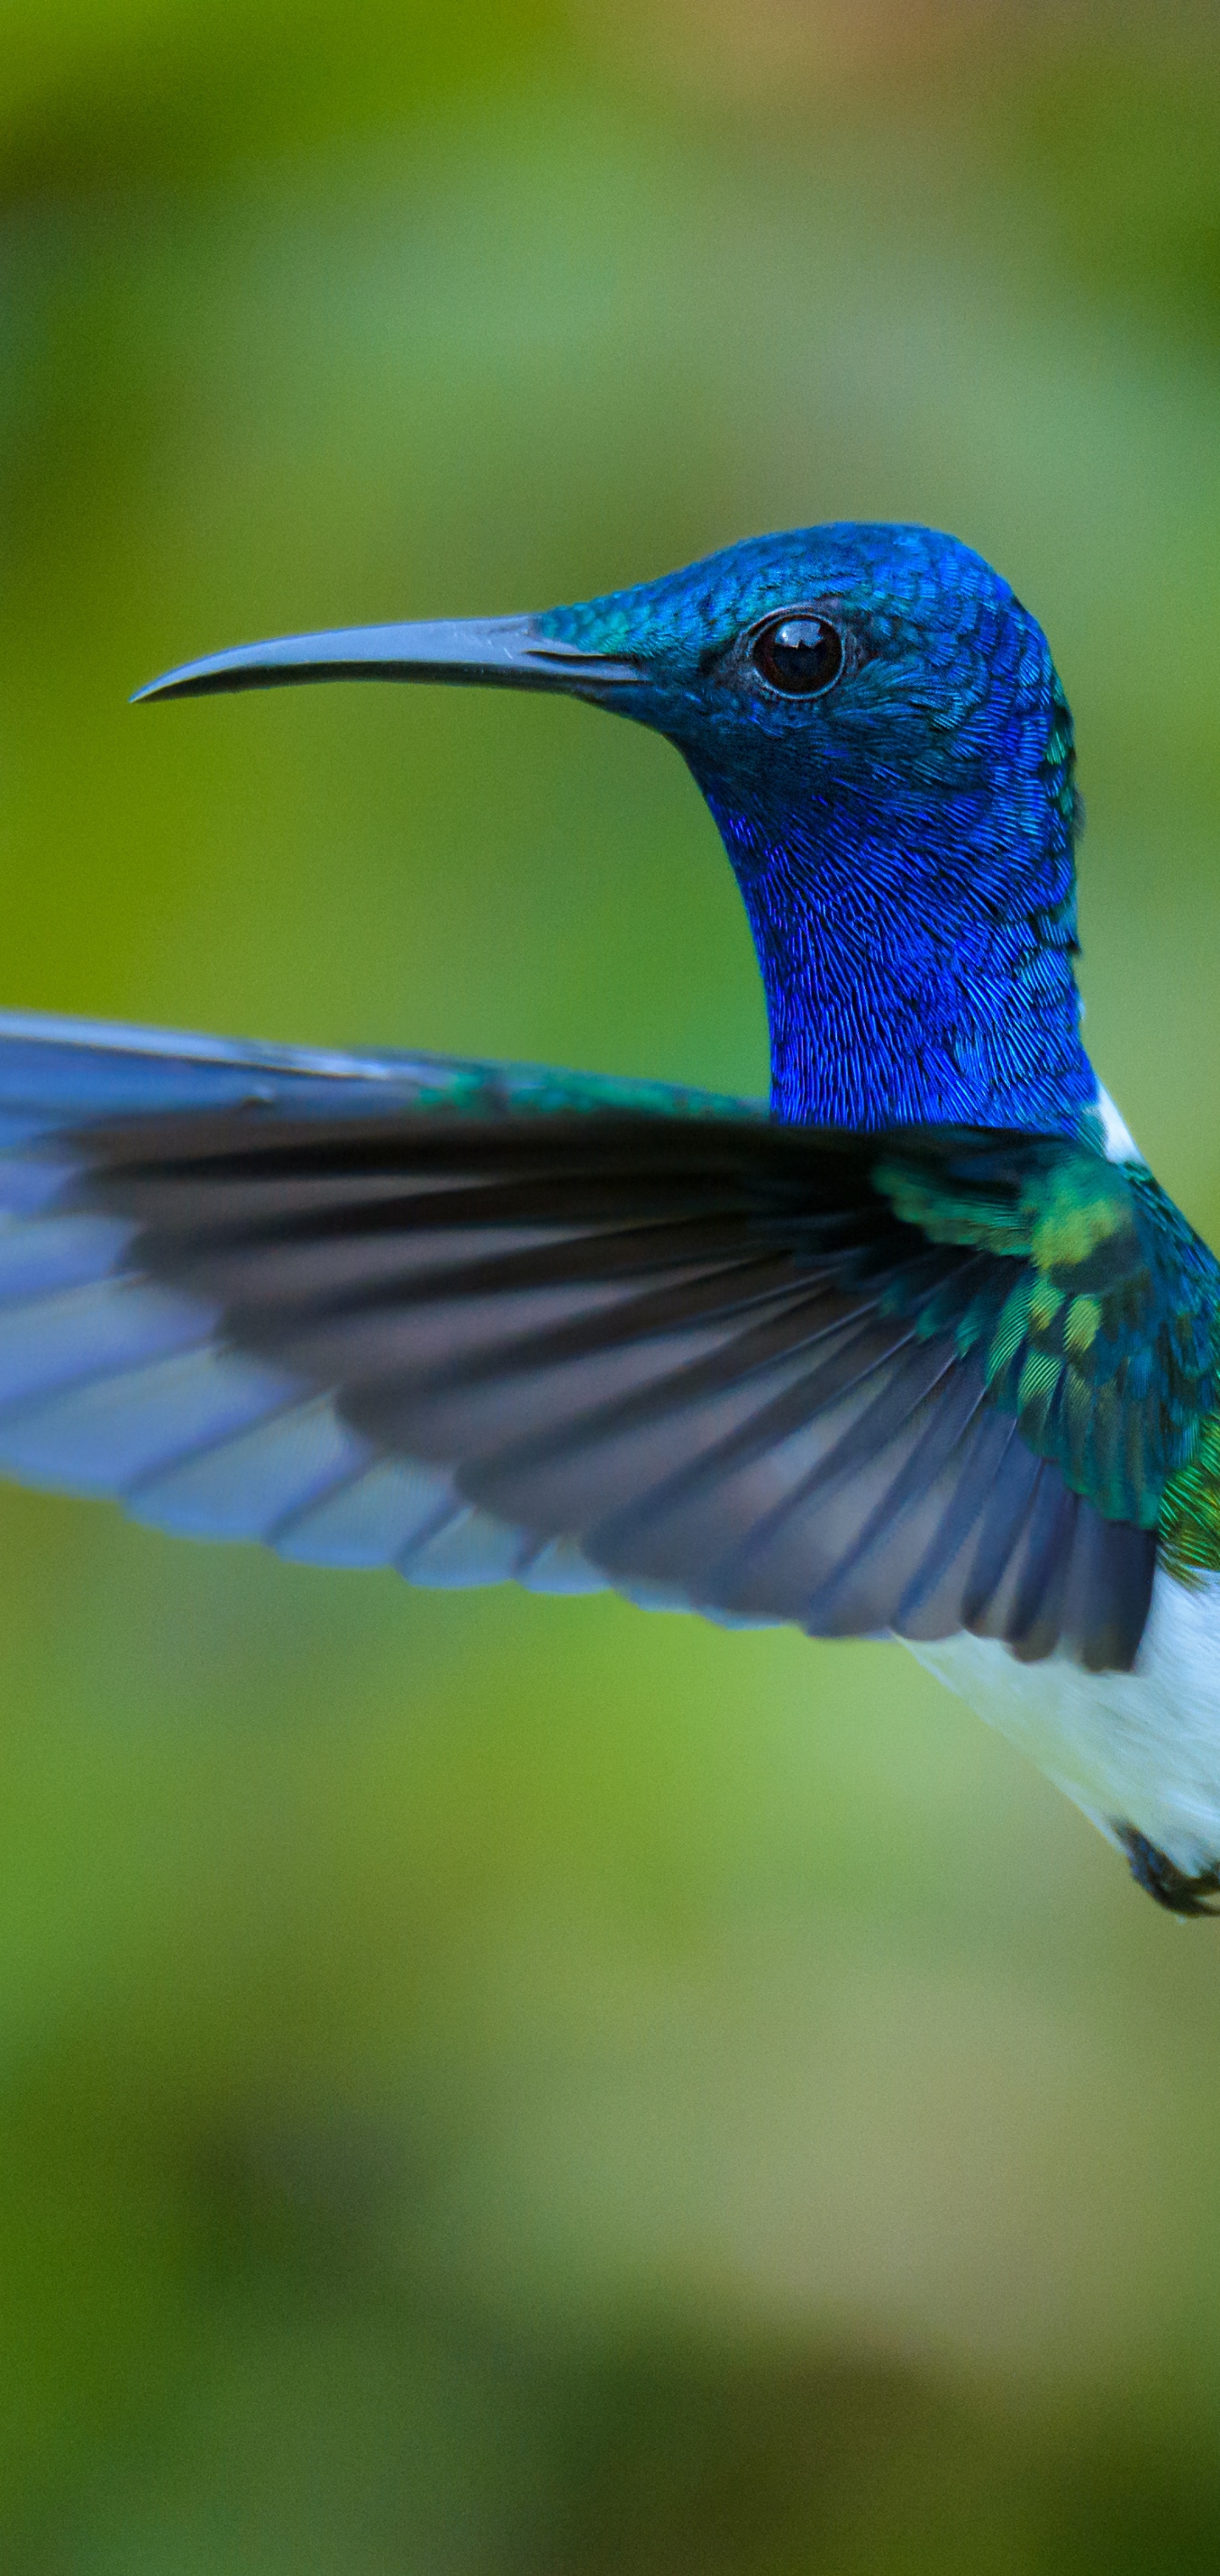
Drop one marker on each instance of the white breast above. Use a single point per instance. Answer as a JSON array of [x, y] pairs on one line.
[[1139, 1748], [1120, 1144]]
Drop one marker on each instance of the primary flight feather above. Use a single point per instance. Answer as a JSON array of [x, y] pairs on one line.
[[924, 1352]]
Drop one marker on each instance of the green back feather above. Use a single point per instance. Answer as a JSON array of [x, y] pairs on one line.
[[1104, 1344]]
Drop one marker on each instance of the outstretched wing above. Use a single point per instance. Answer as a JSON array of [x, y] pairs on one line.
[[484, 1324]]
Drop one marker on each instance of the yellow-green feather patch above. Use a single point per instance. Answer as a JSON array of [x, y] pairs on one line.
[[1105, 1344], [1079, 1213], [1045, 1301], [1081, 1324], [1190, 1511], [1039, 1377]]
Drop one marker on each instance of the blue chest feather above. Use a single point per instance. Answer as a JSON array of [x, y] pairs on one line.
[[916, 977]]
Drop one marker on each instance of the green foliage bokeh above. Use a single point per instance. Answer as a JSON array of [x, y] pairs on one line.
[[489, 2085]]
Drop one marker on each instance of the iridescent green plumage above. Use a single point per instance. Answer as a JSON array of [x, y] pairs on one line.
[[1190, 1512], [1104, 1346]]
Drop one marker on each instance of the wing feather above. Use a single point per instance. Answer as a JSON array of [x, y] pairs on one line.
[[482, 1324]]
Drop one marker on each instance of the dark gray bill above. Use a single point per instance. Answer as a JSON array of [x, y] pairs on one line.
[[496, 652]]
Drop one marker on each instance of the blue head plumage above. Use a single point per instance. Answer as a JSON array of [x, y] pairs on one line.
[[878, 728], [902, 836]]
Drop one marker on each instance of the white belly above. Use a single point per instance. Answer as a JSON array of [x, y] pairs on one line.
[[1139, 1748]]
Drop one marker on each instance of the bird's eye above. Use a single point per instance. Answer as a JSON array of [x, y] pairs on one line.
[[800, 656]]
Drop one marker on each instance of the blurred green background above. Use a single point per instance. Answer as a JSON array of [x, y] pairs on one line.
[[502, 2088]]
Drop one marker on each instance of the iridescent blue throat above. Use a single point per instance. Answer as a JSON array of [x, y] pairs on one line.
[[901, 987]]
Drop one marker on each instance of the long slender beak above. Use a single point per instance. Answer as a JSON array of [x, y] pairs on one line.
[[495, 652]]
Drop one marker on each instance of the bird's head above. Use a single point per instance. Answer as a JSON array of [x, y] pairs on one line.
[[877, 725]]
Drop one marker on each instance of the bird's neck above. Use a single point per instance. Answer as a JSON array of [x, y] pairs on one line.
[[905, 989]]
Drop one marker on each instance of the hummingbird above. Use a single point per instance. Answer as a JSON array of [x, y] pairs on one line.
[[916, 1349]]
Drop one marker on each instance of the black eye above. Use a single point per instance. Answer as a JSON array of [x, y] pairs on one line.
[[799, 656]]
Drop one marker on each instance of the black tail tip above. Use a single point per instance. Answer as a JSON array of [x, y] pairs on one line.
[[1161, 1878]]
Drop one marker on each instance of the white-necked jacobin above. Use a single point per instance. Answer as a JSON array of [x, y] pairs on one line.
[[921, 1351]]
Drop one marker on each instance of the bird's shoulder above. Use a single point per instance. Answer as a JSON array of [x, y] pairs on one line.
[[1095, 1306], [922, 1379]]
